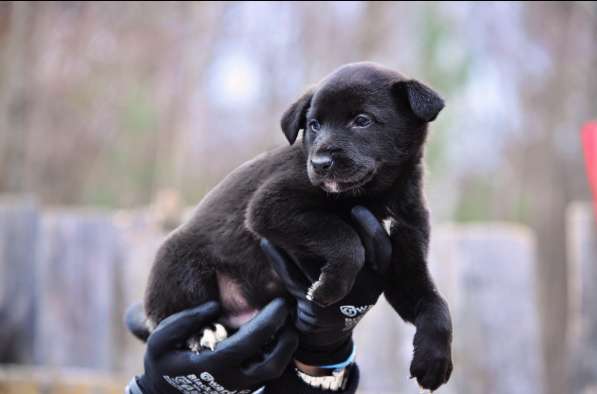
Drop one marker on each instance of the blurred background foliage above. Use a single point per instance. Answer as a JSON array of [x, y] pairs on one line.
[[108, 104]]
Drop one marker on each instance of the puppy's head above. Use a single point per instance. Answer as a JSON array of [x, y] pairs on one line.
[[360, 123]]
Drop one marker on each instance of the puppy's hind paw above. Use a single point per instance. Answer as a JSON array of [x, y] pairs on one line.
[[208, 339]]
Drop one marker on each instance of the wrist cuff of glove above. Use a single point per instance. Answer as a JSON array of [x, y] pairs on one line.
[[289, 382], [325, 355], [133, 387]]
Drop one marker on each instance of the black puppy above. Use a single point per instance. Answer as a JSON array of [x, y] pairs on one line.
[[364, 130]]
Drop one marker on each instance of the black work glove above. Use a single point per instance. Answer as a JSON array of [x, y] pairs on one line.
[[260, 351], [325, 334]]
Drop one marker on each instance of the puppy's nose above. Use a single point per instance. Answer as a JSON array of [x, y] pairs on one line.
[[322, 163]]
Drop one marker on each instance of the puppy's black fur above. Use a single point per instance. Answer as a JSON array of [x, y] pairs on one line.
[[364, 130]]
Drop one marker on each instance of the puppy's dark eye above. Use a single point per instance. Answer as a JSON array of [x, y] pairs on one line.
[[362, 121], [314, 125]]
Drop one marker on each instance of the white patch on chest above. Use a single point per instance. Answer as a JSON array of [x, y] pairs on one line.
[[331, 186]]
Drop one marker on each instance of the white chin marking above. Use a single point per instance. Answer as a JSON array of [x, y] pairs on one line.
[[332, 187]]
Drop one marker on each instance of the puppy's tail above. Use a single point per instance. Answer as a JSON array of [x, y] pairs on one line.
[[136, 321]]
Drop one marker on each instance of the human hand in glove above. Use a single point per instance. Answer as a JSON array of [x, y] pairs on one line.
[[260, 351], [326, 332]]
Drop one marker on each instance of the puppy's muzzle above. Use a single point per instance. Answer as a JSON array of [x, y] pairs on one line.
[[322, 163]]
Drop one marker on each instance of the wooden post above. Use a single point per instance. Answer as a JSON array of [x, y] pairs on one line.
[[78, 253], [381, 340], [19, 225], [141, 236], [487, 274], [582, 285]]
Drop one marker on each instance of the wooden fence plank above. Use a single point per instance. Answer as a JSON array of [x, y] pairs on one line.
[[582, 274], [383, 351], [82, 269], [19, 225], [487, 272], [141, 236], [76, 272]]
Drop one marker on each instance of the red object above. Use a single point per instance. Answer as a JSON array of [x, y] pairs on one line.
[[589, 143]]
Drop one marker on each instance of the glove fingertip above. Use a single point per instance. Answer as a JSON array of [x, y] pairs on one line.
[[275, 257], [270, 250], [378, 239], [366, 220], [265, 245], [279, 306], [384, 248], [359, 213], [135, 321]]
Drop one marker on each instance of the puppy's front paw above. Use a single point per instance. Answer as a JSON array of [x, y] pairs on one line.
[[325, 292], [432, 363]]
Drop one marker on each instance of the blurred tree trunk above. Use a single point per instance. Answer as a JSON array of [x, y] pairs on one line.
[[171, 143], [15, 97], [550, 164], [374, 28]]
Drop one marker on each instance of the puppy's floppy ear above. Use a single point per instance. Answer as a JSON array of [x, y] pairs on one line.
[[422, 100], [295, 117]]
